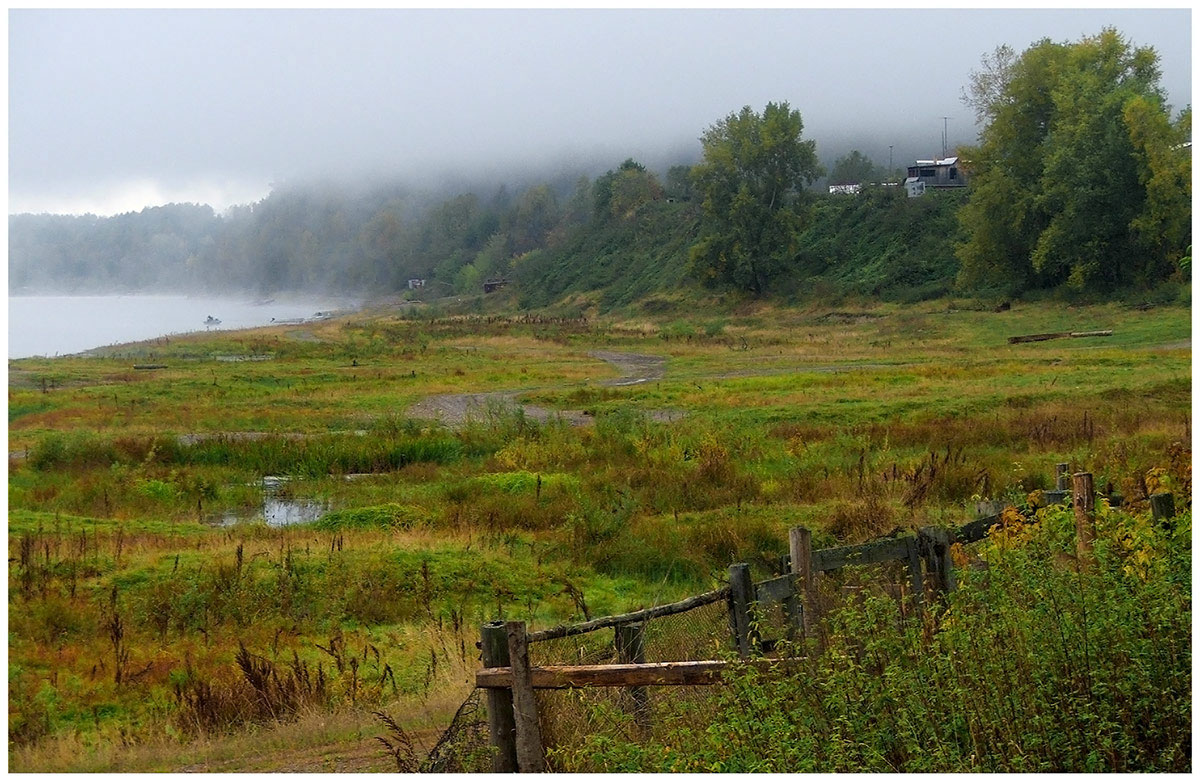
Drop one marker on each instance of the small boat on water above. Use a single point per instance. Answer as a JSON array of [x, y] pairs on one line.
[[210, 320]]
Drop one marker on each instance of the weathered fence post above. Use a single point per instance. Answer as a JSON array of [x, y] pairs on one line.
[[936, 543], [531, 757], [915, 575], [1062, 477], [1085, 518], [1162, 507], [630, 641], [501, 727], [800, 549], [741, 605]]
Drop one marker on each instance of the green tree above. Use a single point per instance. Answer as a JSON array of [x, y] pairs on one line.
[[1164, 153], [679, 183], [620, 193], [535, 214], [468, 280], [1077, 136], [854, 168], [752, 180]]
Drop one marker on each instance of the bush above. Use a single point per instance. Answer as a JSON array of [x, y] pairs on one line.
[[1030, 666], [77, 450]]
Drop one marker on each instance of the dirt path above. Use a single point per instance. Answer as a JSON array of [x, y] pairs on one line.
[[1183, 344], [635, 367], [453, 409]]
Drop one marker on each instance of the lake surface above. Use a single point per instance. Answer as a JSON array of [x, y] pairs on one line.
[[62, 325]]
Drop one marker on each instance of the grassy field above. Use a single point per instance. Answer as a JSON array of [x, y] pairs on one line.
[[146, 632]]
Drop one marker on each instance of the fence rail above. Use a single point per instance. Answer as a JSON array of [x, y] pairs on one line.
[[701, 673], [635, 617], [510, 680]]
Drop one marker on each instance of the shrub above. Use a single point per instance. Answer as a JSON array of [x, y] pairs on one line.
[[76, 450], [1030, 666]]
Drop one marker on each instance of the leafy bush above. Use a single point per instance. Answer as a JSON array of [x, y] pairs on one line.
[[1032, 665]]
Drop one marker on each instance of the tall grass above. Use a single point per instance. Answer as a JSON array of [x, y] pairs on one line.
[[308, 456], [508, 516]]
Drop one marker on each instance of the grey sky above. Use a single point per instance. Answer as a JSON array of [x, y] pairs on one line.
[[115, 110]]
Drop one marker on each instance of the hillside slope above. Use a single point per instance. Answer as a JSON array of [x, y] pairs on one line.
[[879, 243]]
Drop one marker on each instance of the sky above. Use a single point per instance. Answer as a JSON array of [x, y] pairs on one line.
[[112, 111]]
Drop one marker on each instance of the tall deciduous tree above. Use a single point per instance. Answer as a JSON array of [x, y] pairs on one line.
[[752, 180], [854, 168], [1080, 177]]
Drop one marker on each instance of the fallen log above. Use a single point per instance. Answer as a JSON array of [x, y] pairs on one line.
[[1059, 335]]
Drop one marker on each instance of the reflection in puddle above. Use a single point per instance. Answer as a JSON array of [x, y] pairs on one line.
[[278, 508]]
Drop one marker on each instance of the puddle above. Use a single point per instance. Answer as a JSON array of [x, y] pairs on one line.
[[279, 509]]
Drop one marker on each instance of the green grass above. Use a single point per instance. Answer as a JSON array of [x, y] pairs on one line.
[[111, 514]]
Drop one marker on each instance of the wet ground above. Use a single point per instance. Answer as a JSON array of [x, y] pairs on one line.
[[454, 409]]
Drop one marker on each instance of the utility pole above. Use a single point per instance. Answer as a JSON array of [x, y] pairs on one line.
[[891, 170], [945, 123]]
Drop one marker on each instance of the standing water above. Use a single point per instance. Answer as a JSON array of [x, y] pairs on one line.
[[279, 508], [62, 325]]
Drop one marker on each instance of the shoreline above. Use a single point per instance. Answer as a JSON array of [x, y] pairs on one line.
[[48, 326]]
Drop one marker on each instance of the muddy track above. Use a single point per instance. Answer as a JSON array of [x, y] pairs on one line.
[[454, 409], [635, 367]]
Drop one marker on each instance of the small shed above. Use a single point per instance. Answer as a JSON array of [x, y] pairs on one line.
[[413, 284], [492, 285]]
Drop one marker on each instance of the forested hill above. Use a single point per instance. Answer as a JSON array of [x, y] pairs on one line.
[[550, 246], [1064, 196]]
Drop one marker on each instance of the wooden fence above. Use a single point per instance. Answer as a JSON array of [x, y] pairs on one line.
[[510, 681]]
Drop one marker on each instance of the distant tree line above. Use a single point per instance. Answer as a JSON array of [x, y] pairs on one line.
[[298, 238], [327, 238], [1081, 180]]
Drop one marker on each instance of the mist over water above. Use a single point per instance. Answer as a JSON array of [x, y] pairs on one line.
[[63, 325]]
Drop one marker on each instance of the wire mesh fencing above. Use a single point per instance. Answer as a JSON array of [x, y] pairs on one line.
[[571, 718], [785, 619], [465, 746]]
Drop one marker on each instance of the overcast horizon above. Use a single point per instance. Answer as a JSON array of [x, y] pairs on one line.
[[113, 111]]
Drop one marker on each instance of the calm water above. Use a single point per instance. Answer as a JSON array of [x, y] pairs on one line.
[[278, 508], [61, 325]]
